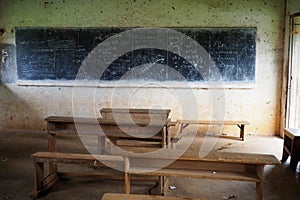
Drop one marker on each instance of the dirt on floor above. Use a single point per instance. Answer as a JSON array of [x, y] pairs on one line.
[[17, 177]]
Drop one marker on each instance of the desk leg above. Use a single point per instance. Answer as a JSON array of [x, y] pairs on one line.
[[295, 158], [259, 185], [242, 132], [285, 154], [295, 154], [165, 137], [101, 144], [52, 148]]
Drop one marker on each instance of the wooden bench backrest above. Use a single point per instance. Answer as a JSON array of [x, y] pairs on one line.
[[135, 114]]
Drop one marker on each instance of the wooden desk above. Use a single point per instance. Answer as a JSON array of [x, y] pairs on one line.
[[291, 146], [114, 196], [116, 132], [217, 166], [112, 130], [157, 131], [240, 124]]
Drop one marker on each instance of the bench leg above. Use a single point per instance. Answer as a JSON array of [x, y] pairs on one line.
[[38, 179], [42, 183], [259, 191], [52, 148], [127, 177], [163, 185], [127, 184], [39, 175], [259, 185]]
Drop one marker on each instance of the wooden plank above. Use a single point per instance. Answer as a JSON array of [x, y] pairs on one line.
[[186, 173], [159, 123], [107, 176], [292, 132], [139, 143], [221, 157], [135, 110], [65, 120], [114, 196], [212, 122], [212, 166], [135, 114], [259, 185], [76, 158], [132, 149]]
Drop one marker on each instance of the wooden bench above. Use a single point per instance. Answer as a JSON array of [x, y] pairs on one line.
[[240, 124], [44, 182], [114, 196], [218, 166]]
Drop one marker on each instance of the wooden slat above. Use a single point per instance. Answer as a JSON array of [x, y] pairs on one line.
[[212, 122], [135, 110], [112, 196], [70, 157], [124, 136], [119, 122], [136, 115], [189, 173], [107, 176], [139, 143], [132, 149]]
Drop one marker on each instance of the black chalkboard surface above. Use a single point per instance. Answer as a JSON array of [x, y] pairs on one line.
[[57, 54]]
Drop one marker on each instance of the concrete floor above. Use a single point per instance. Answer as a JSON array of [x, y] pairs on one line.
[[16, 172]]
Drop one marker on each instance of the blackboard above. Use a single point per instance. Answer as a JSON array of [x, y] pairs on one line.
[[57, 54]]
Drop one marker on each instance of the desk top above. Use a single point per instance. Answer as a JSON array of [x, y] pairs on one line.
[[292, 132], [104, 121]]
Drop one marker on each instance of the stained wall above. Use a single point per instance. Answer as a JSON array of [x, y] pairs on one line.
[[24, 107]]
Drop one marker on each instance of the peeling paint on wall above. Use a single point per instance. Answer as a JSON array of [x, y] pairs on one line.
[[250, 104]]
